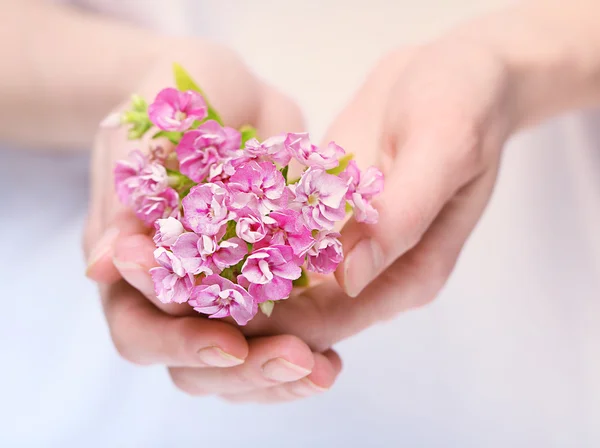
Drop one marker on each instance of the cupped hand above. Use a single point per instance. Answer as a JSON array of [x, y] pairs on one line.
[[435, 119], [269, 368]]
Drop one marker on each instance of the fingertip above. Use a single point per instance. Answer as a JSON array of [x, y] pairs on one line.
[[209, 342], [324, 371]]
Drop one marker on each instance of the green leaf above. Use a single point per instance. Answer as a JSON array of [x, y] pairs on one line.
[[137, 117], [180, 182], [230, 232], [344, 161], [284, 172], [184, 82], [248, 132], [301, 282], [267, 307], [172, 136]]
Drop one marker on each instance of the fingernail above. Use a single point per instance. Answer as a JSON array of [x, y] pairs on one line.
[[306, 388], [361, 266], [281, 370], [102, 247], [137, 276], [215, 357], [111, 121]]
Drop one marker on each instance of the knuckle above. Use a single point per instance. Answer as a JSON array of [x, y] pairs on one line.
[[183, 380]]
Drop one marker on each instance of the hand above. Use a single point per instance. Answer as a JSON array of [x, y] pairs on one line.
[[435, 118], [280, 367]]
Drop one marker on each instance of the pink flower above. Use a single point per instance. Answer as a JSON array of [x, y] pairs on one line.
[[363, 187], [173, 110], [167, 231], [223, 170], [326, 254], [307, 154], [251, 226], [220, 297], [171, 282], [257, 185], [137, 176], [204, 254], [271, 150], [161, 205], [270, 272], [322, 198], [206, 208], [286, 228], [202, 148]]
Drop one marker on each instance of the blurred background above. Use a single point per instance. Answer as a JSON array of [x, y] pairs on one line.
[[504, 357]]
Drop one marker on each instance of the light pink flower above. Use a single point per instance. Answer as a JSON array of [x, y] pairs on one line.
[[286, 227], [270, 272], [257, 185], [362, 188], [223, 170], [300, 147], [161, 205], [251, 225], [204, 254], [167, 231], [206, 208], [322, 198], [173, 110], [137, 176], [171, 282], [219, 297], [325, 254], [202, 148], [271, 150]]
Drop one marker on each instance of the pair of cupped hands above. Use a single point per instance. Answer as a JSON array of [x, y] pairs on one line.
[[433, 118]]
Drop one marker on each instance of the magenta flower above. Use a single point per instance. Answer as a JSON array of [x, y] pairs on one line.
[[286, 227], [219, 297], [206, 208], [251, 225], [270, 272], [138, 176], [322, 198], [204, 254], [300, 147], [173, 110], [167, 231], [362, 188], [171, 282], [202, 148], [259, 186], [271, 150], [326, 254], [161, 205]]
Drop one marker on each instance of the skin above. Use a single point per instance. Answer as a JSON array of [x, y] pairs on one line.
[[436, 117]]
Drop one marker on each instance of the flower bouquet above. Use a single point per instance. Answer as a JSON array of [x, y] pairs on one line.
[[234, 231]]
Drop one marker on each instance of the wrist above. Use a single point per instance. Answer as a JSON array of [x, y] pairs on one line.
[[552, 61]]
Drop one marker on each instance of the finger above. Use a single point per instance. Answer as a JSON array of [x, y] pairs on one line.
[[327, 367], [133, 258], [271, 360], [100, 265], [143, 334]]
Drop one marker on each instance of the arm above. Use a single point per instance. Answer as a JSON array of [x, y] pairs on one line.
[[66, 69], [552, 53]]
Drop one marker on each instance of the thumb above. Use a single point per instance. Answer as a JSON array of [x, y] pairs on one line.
[[419, 182]]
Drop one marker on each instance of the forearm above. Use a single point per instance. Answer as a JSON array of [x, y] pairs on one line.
[[552, 54], [64, 70]]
